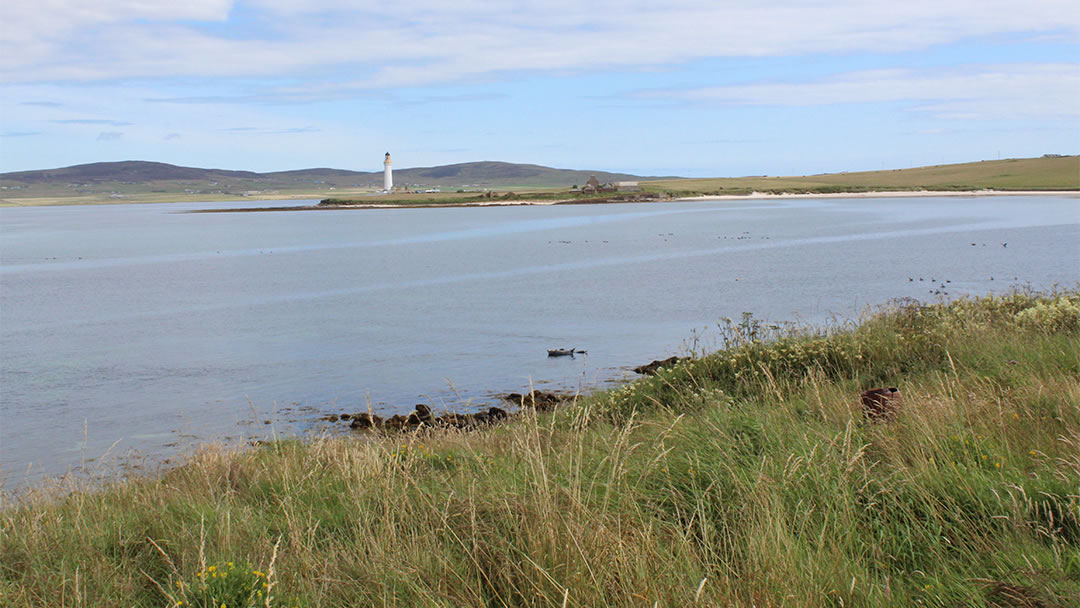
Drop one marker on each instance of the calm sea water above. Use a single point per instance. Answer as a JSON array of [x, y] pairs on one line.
[[132, 330]]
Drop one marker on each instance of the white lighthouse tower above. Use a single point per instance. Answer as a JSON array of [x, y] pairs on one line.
[[388, 174]]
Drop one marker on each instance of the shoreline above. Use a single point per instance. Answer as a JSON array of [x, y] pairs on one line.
[[643, 197], [755, 196]]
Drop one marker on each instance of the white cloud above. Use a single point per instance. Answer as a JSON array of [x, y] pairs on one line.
[[982, 92], [388, 44]]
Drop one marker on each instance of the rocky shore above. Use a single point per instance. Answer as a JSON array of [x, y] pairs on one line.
[[422, 417]]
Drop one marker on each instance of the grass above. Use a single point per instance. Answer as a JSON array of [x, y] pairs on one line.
[[745, 477], [1056, 173]]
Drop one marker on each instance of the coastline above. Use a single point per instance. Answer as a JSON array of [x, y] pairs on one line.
[[754, 196], [887, 194]]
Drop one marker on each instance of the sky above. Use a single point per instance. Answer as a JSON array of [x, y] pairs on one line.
[[679, 87]]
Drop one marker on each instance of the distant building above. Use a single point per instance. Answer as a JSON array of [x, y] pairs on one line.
[[594, 186]]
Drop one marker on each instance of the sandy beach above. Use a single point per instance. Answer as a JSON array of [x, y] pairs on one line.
[[886, 194]]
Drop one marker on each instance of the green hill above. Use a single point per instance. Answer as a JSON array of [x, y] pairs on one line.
[[1045, 173]]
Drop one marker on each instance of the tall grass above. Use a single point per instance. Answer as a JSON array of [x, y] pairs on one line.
[[747, 477]]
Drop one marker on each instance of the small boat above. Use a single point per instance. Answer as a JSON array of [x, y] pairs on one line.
[[564, 352]]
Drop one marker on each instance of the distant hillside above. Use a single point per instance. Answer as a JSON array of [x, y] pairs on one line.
[[492, 173], [485, 174], [125, 171], [1051, 172]]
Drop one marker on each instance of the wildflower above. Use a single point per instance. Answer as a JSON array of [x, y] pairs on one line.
[[997, 465], [1032, 452]]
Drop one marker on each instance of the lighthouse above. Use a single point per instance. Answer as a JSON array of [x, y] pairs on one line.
[[388, 174]]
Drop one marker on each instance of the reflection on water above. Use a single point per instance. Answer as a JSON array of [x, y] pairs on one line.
[[150, 329]]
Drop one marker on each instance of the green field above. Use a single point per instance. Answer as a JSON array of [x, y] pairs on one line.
[[1056, 173], [744, 477]]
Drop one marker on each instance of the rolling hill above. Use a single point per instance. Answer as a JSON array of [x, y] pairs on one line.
[[1051, 172], [484, 173]]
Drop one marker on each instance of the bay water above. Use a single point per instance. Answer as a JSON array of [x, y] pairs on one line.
[[131, 333]]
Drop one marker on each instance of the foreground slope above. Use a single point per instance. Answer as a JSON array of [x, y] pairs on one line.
[[747, 477]]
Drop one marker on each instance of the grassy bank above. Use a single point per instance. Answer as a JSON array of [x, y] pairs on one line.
[[748, 477], [1054, 173]]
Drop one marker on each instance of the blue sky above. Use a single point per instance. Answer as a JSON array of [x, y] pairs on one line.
[[683, 87]]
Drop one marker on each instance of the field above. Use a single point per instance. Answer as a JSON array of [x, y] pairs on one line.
[[1055, 173], [744, 477]]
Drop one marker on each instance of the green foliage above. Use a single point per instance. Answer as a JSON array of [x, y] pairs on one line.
[[224, 585]]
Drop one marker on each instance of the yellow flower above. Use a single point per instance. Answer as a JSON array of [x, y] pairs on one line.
[[997, 465]]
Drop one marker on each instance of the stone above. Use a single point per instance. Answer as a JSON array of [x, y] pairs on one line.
[[649, 369], [881, 404]]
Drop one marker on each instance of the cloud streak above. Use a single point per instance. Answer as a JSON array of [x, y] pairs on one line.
[[398, 44], [1001, 91], [92, 121]]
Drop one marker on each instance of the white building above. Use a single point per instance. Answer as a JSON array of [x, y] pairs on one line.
[[388, 174]]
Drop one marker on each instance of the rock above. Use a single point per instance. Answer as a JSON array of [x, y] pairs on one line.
[[881, 404], [540, 400], [456, 421], [365, 420], [396, 422], [649, 369], [422, 415]]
